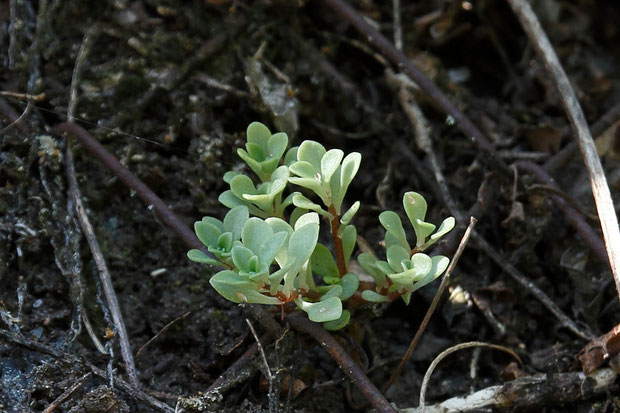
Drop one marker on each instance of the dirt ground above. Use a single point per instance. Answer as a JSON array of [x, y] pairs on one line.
[[169, 88]]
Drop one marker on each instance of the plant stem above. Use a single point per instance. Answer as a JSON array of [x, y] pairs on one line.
[[335, 222], [300, 323]]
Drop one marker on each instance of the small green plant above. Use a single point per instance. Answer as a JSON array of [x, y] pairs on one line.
[[267, 245]]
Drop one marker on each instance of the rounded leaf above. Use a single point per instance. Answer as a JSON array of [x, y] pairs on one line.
[[415, 206], [242, 185], [349, 238], [395, 257], [348, 216], [332, 291], [254, 233], [200, 257], [374, 297], [446, 226], [328, 310], [303, 169], [276, 145], [241, 257], [329, 163], [324, 264], [303, 241], [207, 233], [349, 284], [392, 224], [422, 263], [340, 323], [291, 156], [235, 219], [311, 152], [255, 151], [258, 134]]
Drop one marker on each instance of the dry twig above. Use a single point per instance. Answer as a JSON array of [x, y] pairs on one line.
[[598, 182], [527, 393], [447, 352], [433, 306]]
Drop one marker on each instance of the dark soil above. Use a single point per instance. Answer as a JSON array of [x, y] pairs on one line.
[[175, 117]]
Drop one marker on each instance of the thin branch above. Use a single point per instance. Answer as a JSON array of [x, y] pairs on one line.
[[398, 28], [87, 229], [447, 352], [431, 309], [348, 366], [423, 139], [598, 182], [531, 287], [60, 355], [572, 215], [143, 191], [231, 375], [433, 92], [104, 273], [528, 393], [160, 332], [600, 126], [64, 395], [270, 377]]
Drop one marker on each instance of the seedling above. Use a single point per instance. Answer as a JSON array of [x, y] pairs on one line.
[[267, 245]]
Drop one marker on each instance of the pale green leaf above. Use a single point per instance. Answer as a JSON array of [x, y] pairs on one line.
[[241, 257], [237, 289], [422, 263], [301, 201], [332, 291], [258, 133], [235, 219], [392, 224], [312, 152], [255, 151], [422, 231], [349, 283], [329, 163], [446, 226], [384, 267], [282, 172], [207, 233], [277, 144], [349, 237], [303, 240], [304, 169], [225, 241], [374, 297], [309, 218], [348, 170], [396, 254], [228, 176], [291, 156], [313, 185], [253, 164], [328, 310], [200, 257], [415, 206], [271, 247], [367, 262], [439, 265], [348, 216], [324, 264], [339, 323], [254, 233], [242, 185]]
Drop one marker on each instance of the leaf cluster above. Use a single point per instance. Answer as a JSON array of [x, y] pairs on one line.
[[270, 254]]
